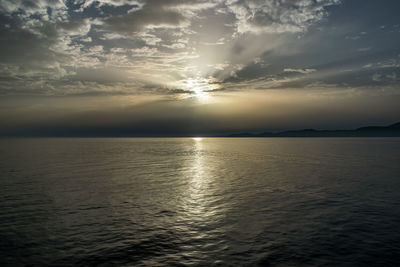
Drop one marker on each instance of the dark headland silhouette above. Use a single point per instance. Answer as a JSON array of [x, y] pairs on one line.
[[392, 130]]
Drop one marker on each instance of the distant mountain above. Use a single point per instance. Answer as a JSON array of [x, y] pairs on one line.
[[392, 130]]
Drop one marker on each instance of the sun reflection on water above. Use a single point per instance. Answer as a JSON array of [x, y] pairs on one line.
[[197, 199]]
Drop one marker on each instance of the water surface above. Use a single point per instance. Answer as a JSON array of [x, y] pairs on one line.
[[215, 201]]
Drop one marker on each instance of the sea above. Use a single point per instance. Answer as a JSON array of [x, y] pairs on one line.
[[200, 202]]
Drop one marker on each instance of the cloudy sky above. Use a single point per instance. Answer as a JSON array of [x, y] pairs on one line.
[[192, 67]]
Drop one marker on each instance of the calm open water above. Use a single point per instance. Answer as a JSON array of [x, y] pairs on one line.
[[218, 201]]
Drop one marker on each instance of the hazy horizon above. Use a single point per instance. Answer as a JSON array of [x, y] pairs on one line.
[[126, 132]]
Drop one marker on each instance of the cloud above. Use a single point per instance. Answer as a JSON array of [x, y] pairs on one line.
[[102, 75], [152, 46], [303, 71], [364, 49], [377, 77], [149, 15], [27, 8], [277, 16], [155, 14]]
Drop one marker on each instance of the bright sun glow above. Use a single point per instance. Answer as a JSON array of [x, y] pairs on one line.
[[199, 87], [197, 138]]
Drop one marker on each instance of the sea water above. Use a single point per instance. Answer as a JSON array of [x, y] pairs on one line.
[[200, 202]]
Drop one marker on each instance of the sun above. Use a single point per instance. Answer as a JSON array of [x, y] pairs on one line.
[[199, 87], [197, 138], [201, 95]]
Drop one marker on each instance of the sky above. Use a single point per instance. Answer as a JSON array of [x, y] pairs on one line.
[[196, 67]]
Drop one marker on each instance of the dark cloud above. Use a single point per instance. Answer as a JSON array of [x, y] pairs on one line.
[[22, 46]]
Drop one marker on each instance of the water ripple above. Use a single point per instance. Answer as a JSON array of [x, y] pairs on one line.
[[215, 202]]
